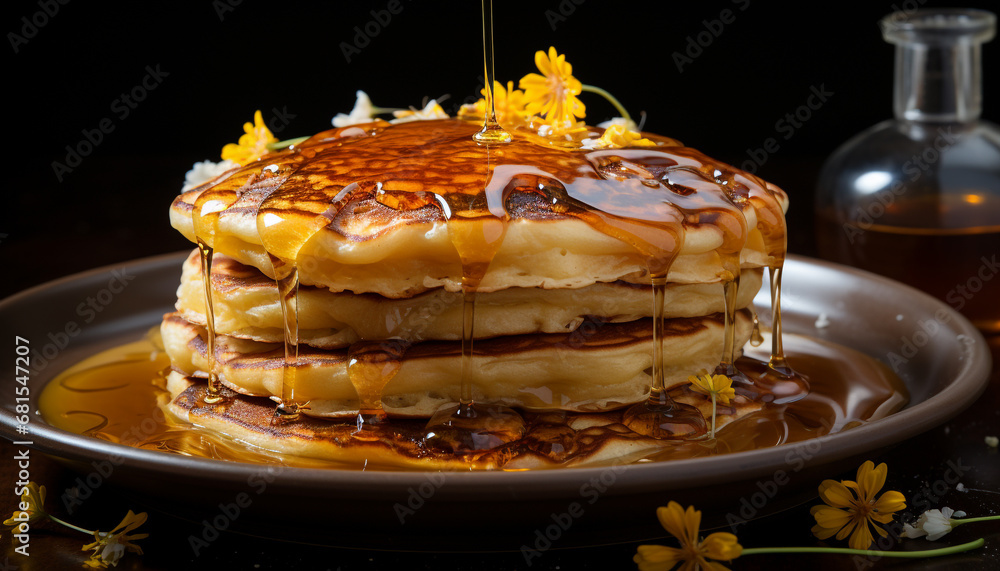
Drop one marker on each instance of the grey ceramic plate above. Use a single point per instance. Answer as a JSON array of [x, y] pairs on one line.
[[109, 306]]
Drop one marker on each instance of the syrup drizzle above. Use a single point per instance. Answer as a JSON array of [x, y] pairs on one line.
[[205, 253], [284, 237], [205, 220], [370, 367], [286, 278], [756, 339], [476, 230], [492, 132], [776, 381]]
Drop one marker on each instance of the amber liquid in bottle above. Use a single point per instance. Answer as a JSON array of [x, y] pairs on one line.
[[917, 198], [960, 266]]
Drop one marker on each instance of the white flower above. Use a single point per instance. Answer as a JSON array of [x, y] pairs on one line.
[[362, 112], [430, 111], [935, 524], [205, 171], [992, 441]]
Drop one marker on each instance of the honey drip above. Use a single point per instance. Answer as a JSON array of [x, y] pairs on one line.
[[660, 416], [370, 367], [205, 253], [492, 132], [476, 230], [288, 295], [270, 226], [204, 215], [756, 339], [776, 380], [284, 240]]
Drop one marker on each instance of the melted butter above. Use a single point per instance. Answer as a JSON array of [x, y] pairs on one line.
[[116, 396]]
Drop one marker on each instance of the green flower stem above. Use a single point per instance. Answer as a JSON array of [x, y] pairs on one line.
[[285, 144], [845, 551], [69, 525], [611, 99], [957, 522]]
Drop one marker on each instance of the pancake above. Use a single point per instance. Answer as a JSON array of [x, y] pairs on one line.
[[552, 440], [598, 367], [377, 209], [246, 306], [398, 245]]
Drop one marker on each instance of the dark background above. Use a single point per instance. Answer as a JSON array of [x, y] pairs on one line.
[[222, 62], [287, 56]]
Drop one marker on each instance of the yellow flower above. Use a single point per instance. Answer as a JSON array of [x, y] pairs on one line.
[[253, 143], [683, 524], [852, 506], [109, 547], [552, 95], [616, 137], [719, 385], [508, 102], [33, 496]]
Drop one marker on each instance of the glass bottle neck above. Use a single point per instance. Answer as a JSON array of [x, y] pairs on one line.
[[938, 82]]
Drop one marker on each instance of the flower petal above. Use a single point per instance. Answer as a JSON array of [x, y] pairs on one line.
[[836, 494], [673, 519], [871, 478], [891, 501], [722, 545], [861, 538], [542, 62], [692, 523], [656, 557], [824, 532], [831, 517], [912, 532], [847, 529]]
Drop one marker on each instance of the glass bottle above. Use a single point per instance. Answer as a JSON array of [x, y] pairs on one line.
[[917, 198]]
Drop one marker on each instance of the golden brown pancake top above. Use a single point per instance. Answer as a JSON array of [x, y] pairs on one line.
[[361, 181]]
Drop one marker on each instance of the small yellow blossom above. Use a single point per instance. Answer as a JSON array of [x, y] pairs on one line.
[[616, 137], [33, 497], [109, 547], [253, 143], [508, 103], [684, 525], [430, 111], [553, 94], [852, 508], [719, 385]]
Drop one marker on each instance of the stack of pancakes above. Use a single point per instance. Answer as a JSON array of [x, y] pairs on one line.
[[378, 223]]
